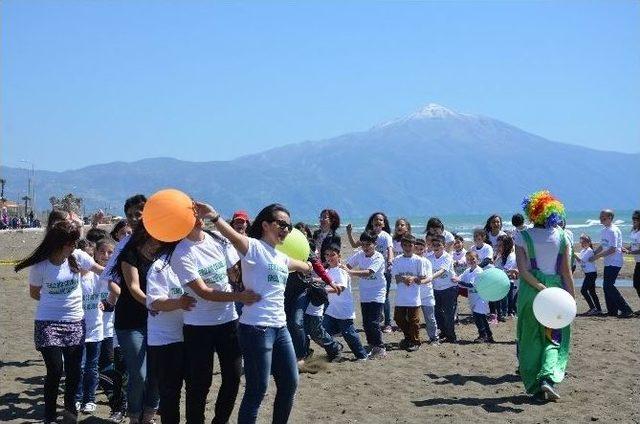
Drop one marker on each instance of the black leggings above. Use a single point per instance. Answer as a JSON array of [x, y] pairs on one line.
[[200, 344], [589, 290], [52, 356], [636, 278]]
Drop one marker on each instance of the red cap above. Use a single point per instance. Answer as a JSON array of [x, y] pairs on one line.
[[240, 215]]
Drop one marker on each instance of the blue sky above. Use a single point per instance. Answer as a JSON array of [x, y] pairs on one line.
[[87, 82]]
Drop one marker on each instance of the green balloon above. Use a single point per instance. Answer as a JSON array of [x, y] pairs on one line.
[[295, 245], [492, 284]]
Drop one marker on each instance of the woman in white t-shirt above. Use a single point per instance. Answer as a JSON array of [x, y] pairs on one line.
[[634, 248], [264, 339], [588, 289], [203, 263], [54, 281], [167, 299], [378, 224]]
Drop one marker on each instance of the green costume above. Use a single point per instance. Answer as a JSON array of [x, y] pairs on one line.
[[543, 353]]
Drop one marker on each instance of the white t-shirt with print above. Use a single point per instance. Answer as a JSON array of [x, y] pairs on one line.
[[265, 271], [341, 306], [485, 251], [476, 303], [209, 260], [612, 237], [407, 295], [635, 243], [445, 261], [60, 289], [374, 287], [546, 243], [585, 255], [165, 327], [426, 290], [92, 289]]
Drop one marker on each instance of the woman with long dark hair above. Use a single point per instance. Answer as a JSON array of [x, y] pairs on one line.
[[130, 271], [264, 339], [54, 281], [327, 234], [493, 228]]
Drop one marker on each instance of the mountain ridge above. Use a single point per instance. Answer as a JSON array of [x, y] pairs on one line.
[[434, 160]]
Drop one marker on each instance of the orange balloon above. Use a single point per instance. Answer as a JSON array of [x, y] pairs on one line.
[[168, 215]]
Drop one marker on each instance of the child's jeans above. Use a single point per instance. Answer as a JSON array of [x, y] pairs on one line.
[[430, 321], [483, 325], [89, 380], [408, 320], [345, 326], [313, 327]]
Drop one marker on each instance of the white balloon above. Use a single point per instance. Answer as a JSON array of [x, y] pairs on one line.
[[554, 307]]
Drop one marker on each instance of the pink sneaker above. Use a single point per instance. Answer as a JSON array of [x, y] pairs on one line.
[[493, 319]]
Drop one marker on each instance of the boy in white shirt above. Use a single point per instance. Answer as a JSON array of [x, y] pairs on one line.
[[483, 249], [339, 315], [408, 273], [427, 301], [370, 266], [445, 290], [478, 305]]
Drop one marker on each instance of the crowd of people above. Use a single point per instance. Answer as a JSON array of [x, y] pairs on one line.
[[138, 317], [15, 222]]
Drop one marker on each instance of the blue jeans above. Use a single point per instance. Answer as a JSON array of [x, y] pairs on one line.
[[612, 297], [142, 388], [345, 326], [512, 299], [371, 314], [313, 327], [267, 350], [445, 311], [89, 380], [295, 323], [387, 303]]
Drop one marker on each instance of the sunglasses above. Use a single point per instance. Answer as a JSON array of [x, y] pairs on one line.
[[283, 224]]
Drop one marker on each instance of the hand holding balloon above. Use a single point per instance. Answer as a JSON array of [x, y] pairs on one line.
[[554, 307]]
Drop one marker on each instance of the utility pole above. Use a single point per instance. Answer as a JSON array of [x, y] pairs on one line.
[[30, 194]]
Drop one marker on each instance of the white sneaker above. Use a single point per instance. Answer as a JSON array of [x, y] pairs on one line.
[[78, 406], [89, 408]]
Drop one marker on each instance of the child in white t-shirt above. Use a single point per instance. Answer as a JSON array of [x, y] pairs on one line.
[[445, 291], [427, 301], [482, 249], [408, 273], [339, 315], [478, 306], [313, 327], [458, 254], [92, 290], [167, 299], [588, 289], [369, 265]]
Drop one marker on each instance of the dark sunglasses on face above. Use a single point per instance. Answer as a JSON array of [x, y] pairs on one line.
[[283, 224]]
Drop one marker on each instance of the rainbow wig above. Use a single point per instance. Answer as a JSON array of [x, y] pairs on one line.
[[542, 208]]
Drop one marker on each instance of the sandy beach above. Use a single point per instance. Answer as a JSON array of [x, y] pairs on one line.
[[446, 383]]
